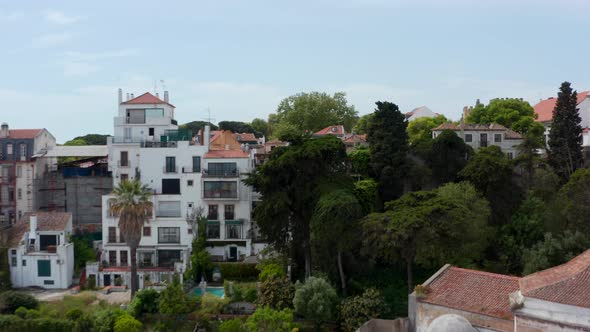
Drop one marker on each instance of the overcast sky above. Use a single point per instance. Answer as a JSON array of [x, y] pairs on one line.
[[62, 61]]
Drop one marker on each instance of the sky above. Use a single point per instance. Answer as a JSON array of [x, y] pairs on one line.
[[62, 61]]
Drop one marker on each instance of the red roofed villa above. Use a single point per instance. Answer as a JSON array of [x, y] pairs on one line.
[[544, 112]]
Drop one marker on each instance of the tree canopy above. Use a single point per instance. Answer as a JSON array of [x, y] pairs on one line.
[[90, 139], [421, 128], [195, 126], [448, 156], [512, 113], [362, 125]]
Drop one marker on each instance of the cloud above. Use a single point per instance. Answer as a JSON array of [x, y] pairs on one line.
[[52, 39], [58, 17]]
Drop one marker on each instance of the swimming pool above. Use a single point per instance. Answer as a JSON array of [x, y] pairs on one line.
[[217, 291]]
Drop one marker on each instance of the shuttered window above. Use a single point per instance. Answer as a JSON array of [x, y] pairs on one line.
[[169, 209], [44, 268]]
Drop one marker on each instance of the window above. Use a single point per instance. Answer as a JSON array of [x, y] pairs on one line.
[[112, 234], [222, 169], [127, 133], [48, 282], [147, 231], [196, 164], [169, 209], [510, 155], [167, 258], [10, 195], [497, 138], [171, 186], [170, 165], [189, 231], [135, 116], [168, 234], [151, 113], [151, 132], [124, 160], [189, 183], [229, 212], [19, 193], [124, 258], [483, 140], [468, 138], [24, 262], [213, 231], [46, 241], [146, 259], [13, 257], [220, 189], [112, 258], [19, 171], [212, 214], [44, 268], [124, 177], [23, 150], [233, 231], [9, 149]]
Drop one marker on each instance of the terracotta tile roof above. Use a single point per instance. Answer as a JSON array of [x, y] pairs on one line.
[[245, 137], [215, 134], [510, 134], [226, 154], [146, 98], [568, 283], [356, 139], [470, 126], [337, 130], [46, 221], [544, 109], [473, 291], [23, 133]]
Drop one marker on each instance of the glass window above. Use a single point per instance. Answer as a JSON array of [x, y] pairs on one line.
[[152, 113], [151, 132], [196, 164], [167, 258], [169, 209], [24, 262], [168, 234], [19, 194], [124, 258], [44, 268], [23, 150], [497, 138], [233, 231], [189, 183], [212, 213], [136, 116], [171, 186], [170, 164], [19, 171], [213, 231], [112, 234], [9, 149], [229, 212], [222, 169], [221, 189], [147, 231], [468, 138], [124, 159], [112, 258], [124, 177], [127, 133]]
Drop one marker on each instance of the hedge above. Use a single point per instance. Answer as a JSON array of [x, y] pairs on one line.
[[14, 323], [238, 271]]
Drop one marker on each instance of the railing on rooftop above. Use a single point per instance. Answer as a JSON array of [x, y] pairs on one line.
[[220, 173]]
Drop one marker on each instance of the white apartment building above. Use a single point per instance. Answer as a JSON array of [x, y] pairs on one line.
[[186, 171], [483, 135], [39, 250]]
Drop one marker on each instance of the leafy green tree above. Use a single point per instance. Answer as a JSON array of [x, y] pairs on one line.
[[421, 128], [448, 156], [545, 183], [144, 301], [316, 300], [574, 201], [11, 300], [237, 127], [362, 125], [266, 319], [512, 113], [528, 158], [360, 162], [195, 126], [356, 310], [366, 193], [288, 184], [445, 225], [276, 292], [565, 136], [260, 126], [232, 325], [389, 145], [126, 323], [271, 270], [93, 139], [200, 258], [554, 250], [174, 302], [311, 112], [83, 252], [133, 207], [490, 171]]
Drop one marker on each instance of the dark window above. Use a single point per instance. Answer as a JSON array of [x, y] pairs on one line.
[[221, 189], [213, 231], [167, 258], [212, 214], [44, 268], [189, 183], [112, 234], [196, 164], [170, 164], [47, 240], [24, 262], [229, 212], [171, 186], [468, 138], [151, 132], [112, 258], [136, 116], [124, 177], [48, 282], [124, 256], [168, 234], [233, 231], [222, 169], [124, 159], [483, 140], [147, 231], [497, 137]]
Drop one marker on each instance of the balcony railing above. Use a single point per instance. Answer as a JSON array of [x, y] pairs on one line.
[[123, 163], [221, 173], [190, 169], [170, 169]]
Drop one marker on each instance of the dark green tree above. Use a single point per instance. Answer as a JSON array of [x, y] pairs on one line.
[[200, 260], [573, 202], [195, 126], [238, 127], [260, 126], [360, 162], [554, 250], [448, 156], [565, 136], [93, 139], [512, 113], [388, 141]]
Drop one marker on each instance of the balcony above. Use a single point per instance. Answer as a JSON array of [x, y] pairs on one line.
[[170, 169], [190, 169], [233, 173], [123, 163]]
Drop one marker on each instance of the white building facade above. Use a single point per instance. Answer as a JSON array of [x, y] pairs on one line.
[[185, 174], [40, 253]]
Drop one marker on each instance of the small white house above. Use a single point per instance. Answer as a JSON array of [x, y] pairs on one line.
[[420, 112], [40, 253]]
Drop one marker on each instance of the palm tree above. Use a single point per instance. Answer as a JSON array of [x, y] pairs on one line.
[[133, 206]]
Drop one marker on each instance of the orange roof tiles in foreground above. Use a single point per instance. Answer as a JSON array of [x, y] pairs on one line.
[[23, 133], [146, 98], [544, 109], [473, 291]]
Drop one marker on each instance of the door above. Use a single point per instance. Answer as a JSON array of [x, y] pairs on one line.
[[233, 253], [106, 280]]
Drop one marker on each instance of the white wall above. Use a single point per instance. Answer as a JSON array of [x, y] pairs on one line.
[[507, 145], [61, 262]]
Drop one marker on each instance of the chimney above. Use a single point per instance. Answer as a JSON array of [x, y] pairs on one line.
[[207, 136], [4, 130], [166, 98], [158, 94], [127, 96], [120, 95], [32, 226], [132, 96]]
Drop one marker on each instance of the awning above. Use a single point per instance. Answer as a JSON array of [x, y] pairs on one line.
[[234, 222]]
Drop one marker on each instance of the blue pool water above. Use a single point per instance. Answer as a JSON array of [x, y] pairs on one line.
[[217, 291]]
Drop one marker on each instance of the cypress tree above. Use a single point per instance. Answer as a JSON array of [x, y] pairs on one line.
[[565, 136]]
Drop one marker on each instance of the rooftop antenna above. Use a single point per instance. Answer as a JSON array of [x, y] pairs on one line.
[[209, 118]]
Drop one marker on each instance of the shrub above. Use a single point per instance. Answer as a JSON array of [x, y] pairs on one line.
[[354, 311], [21, 312], [126, 323], [74, 314], [118, 281], [211, 304], [251, 295], [276, 293], [7, 322], [174, 301], [91, 282], [11, 300], [145, 301], [233, 325], [269, 270], [315, 300], [267, 319], [238, 271], [104, 320], [33, 314]]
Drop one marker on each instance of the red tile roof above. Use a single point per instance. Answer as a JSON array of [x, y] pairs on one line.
[[356, 139], [568, 283], [146, 98], [544, 109], [46, 221], [470, 126], [331, 130], [23, 133], [473, 291], [213, 154], [245, 137]]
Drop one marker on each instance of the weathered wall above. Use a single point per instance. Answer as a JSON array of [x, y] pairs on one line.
[[383, 325], [426, 313]]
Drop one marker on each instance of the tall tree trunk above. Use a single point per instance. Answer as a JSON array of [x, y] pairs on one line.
[[410, 276], [133, 251], [341, 272]]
